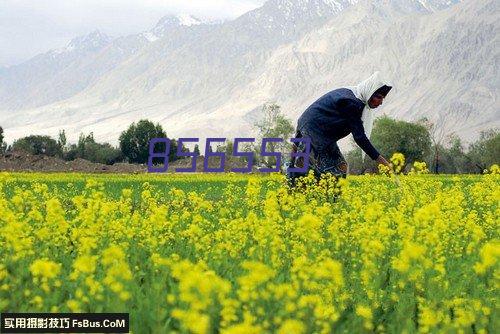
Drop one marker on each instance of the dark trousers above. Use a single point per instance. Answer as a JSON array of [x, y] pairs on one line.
[[324, 157]]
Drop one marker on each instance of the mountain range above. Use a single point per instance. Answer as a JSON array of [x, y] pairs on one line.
[[206, 79]]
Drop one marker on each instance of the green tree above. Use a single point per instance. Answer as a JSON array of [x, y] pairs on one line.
[[390, 136], [486, 151], [61, 141], [449, 159], [83, 141], [134, 142], [443, 149], [197, 149], [411, 139], [227, 147], [36, 144], [274, 124], [249, 147], [2, 144], [87, 148]]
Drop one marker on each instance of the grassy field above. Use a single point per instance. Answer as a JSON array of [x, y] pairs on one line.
[[234, 253]]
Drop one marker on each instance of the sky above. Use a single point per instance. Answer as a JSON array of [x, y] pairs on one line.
[[30, 27]]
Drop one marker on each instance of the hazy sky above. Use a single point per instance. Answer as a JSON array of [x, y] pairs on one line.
[[31, 27]]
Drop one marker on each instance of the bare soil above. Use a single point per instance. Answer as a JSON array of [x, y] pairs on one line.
[[22, 161]]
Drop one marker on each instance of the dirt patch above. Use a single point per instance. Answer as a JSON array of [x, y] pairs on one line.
[[22, 161]]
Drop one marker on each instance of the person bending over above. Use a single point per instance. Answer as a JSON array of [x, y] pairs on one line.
[[334, 116]]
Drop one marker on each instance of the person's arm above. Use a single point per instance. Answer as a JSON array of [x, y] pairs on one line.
[[358, 133]]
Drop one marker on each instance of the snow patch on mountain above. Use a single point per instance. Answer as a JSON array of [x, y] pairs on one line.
[[188, 20], [171, 22], [89, 42], [150, 36]]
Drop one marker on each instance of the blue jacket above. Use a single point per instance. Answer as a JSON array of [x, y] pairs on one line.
[[334, 116]]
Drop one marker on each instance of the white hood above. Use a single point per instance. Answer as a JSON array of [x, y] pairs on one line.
[[363, 91]]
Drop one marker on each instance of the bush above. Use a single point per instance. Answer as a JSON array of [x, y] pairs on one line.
[[87, 148], [38, 145]]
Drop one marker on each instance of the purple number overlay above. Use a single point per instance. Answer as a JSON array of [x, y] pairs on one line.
[[181, 141], [305, 154], [214, 154], [164, 156], [264, 153], [249, 155]]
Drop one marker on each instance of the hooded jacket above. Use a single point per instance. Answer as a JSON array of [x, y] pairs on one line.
[[342, 112]]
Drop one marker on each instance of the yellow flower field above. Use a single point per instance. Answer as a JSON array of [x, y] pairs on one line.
[[238, 253]]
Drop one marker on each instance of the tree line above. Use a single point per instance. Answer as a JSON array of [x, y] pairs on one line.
[[133, 145], [418, 141]]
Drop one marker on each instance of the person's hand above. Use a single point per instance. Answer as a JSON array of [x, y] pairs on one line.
[[382, 161]]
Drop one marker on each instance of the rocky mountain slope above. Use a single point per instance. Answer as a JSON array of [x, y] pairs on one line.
[[200, 79]]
